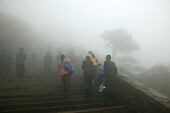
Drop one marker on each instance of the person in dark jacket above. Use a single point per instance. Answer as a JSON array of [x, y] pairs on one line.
[[5, 62], [47, 63], [20, 62], [110, 72], [87, 67]]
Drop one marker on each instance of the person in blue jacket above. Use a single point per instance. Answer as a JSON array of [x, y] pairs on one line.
[[99, 76]]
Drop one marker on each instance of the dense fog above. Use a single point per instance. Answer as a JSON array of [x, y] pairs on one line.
[[141, 49]]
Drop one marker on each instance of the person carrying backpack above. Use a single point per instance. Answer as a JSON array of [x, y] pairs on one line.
[[65, 74]]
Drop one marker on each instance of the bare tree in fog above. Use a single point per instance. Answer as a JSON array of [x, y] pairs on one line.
[[120, 40]]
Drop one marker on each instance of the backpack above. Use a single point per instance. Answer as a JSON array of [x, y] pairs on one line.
[[68, 67]]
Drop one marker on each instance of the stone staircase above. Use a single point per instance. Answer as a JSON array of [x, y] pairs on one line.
[[44, 94]]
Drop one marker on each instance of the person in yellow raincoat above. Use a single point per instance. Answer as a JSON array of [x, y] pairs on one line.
[[94, 60]]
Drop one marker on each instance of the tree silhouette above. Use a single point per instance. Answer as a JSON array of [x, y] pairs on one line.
[[120, 41]]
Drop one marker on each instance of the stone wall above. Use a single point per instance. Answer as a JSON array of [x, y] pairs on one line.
[[139, 98]]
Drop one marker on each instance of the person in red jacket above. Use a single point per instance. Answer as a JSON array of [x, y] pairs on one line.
[[65, 75]]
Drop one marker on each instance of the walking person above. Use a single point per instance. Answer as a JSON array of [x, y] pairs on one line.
[[87, 67], [65, 74], [47, 63], [5, 63], [20, 62], [99, 77], [94, 60], [110, 72]]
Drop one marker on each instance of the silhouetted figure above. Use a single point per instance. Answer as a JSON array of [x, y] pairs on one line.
[[5, 62], [94, 60], [20, 62], [87, 67], [110, 72], [47, 63], [65, 75]]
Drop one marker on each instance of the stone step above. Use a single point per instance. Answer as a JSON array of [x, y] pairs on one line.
[[41, 94], [113, 109], [38, 86], [43, 88], [32, 82], [34, 95], [44, 99], [65, 101], [43, 91], [49, 107]]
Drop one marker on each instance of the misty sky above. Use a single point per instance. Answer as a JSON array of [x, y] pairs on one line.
[[84, 21]]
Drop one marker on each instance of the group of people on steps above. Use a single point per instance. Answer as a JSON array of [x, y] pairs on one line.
[[6, 62], [93, 72]]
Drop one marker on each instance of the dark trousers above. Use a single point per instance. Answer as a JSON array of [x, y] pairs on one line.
[[98, 81], [4, 68], [20, 69], [66, 82], [110, 86], [47, 69], [94, 72], [88, 84]]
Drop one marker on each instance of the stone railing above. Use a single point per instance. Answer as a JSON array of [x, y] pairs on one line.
[[139, 98]]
